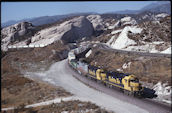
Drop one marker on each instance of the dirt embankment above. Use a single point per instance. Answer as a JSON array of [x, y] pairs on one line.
[[30, 57], [18, 90], [147, 69]]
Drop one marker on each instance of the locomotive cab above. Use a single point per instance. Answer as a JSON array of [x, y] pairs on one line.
[[98, 74], [131, 83], [134, 84]]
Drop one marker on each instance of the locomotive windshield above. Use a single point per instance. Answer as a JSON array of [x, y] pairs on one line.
[[136, 80]]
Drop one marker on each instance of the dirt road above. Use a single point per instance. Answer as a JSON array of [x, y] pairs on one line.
[[61, 74]]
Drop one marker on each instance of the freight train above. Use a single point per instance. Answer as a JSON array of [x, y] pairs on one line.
[[127, 83]]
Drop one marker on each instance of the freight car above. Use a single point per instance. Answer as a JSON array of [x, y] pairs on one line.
[[71, 55], [82, 67], [73, 63]]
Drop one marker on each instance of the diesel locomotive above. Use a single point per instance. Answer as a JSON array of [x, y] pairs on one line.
[[128, 83]]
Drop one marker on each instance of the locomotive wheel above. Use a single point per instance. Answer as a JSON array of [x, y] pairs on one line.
[[126, 92], [131, 94], [121, 90], [111, 86], [104, 83], [99, 82], [107, 85]]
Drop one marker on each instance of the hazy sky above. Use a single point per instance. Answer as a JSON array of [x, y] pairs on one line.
[[21, 10]]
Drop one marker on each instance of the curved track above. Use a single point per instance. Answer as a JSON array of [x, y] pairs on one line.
[[62, 75], [146, 54]]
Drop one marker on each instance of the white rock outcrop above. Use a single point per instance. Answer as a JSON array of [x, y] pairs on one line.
[[15, 32], [128, 21], [161, 15], [97, 22], [68, 31], [123, 41]]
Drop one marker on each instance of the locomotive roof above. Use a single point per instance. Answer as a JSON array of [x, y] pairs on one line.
[[73, 60], [116, 74], [93, 67], [81, 62]]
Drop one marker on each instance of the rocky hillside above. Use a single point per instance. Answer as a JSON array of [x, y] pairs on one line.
[[147, 69], [16, 33], [97, 22], [146, 32], [17, 30], [152, 36], [67, 31]]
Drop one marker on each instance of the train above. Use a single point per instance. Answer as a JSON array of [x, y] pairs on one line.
[[127, 83]]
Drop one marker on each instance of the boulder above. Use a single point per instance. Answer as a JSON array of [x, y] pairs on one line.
[[160, 16], [97, 22], [68, 31], [78, 28], [16, 32], [127, 21]]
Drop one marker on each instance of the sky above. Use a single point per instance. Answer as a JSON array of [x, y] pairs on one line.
[[22, 10]]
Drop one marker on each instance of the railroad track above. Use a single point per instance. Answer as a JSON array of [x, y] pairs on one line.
[[145, 103], [103, 46]]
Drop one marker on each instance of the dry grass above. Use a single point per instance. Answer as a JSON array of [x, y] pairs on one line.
[[75, 106], [16, 89], [148, 69]]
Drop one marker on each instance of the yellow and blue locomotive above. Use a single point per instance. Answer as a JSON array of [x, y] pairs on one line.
[[128, 83]]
